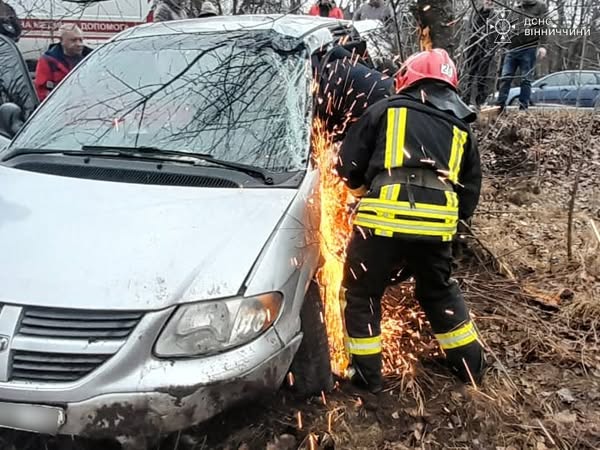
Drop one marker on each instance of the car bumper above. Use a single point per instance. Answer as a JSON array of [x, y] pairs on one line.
[[135, 393], [173, 407]]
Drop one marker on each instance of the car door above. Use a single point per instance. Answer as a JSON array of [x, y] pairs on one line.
[[552, 89], [15, 83]]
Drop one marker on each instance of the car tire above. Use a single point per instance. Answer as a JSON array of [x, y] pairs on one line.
[[311, 367]]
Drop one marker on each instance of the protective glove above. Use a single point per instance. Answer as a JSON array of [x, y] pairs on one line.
[[359, 192]]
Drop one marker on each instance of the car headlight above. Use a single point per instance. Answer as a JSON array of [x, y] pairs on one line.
[[213, 326]]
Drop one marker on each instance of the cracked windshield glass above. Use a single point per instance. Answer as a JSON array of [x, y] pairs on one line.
[[241, 99]]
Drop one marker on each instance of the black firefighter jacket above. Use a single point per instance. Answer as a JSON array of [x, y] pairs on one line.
[[347, 87], [419, 164]]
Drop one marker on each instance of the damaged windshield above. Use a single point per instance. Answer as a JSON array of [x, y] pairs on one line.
[[243, 99]]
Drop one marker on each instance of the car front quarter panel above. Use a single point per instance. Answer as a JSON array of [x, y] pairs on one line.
[[291, 257]]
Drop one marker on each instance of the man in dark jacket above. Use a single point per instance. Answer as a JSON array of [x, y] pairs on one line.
[[348, 86], [523, 49], [59, 60], [9, 23], [414, 164]]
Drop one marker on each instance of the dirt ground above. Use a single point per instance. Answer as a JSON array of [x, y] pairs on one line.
[[537, 311]]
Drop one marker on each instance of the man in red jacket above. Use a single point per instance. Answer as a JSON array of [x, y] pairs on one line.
[[59, 60], [326, 8]]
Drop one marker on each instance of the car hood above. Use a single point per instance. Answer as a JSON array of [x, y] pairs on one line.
[[77, 243]]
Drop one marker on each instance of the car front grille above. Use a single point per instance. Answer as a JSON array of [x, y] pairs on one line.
[[53, 367], [77, 324], [54, 345]]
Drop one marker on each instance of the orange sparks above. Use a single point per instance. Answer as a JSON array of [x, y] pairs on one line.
[[299, 419], [312, 442], [290, 377], [335, 228], [323, 399]]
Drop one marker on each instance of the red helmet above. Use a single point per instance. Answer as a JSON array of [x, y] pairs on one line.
[[433, 64]]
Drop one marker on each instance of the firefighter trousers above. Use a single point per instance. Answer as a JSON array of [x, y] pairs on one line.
[[370, 262]]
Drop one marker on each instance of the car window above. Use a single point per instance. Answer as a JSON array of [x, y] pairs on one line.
[[585, 79], [557, 79], [240, 99]]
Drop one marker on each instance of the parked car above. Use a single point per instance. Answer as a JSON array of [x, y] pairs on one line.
[[99, 20], [160, 215], [569, 87]]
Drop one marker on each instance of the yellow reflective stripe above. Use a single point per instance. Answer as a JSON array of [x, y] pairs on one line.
[[452, 200], [388, 203], [390, 137], [394, 138], [363, 346], [407, 223], [459, 139], [410, 212], [390, 193], [369, 221], [460, 337]]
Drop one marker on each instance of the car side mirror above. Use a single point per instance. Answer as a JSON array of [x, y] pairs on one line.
[[541, 85], [11, 119]]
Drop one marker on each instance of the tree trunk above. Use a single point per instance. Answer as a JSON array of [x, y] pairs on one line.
[[436, 24]]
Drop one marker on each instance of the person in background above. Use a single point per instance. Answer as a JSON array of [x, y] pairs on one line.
[[479, 55], [203, 9], [167, 10], [326, 8], [59, 60], [374, 10], [524, 47], [9, 22]]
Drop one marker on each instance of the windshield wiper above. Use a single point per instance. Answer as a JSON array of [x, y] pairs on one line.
[[95, 150], [151, 153]]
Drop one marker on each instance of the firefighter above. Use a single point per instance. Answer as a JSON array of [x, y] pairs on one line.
[[413, 163]]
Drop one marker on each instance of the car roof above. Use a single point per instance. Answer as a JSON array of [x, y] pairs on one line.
[[289, 25], [574, 71]]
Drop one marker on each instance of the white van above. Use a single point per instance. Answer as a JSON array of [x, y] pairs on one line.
[[98, 19]]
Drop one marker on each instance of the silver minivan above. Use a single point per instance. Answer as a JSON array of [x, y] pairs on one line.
[[159, 218]]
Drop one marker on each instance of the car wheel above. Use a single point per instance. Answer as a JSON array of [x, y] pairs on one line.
[[311, 368]]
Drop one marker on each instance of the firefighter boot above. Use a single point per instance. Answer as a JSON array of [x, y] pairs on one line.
[[365, 372], [467, 363]]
